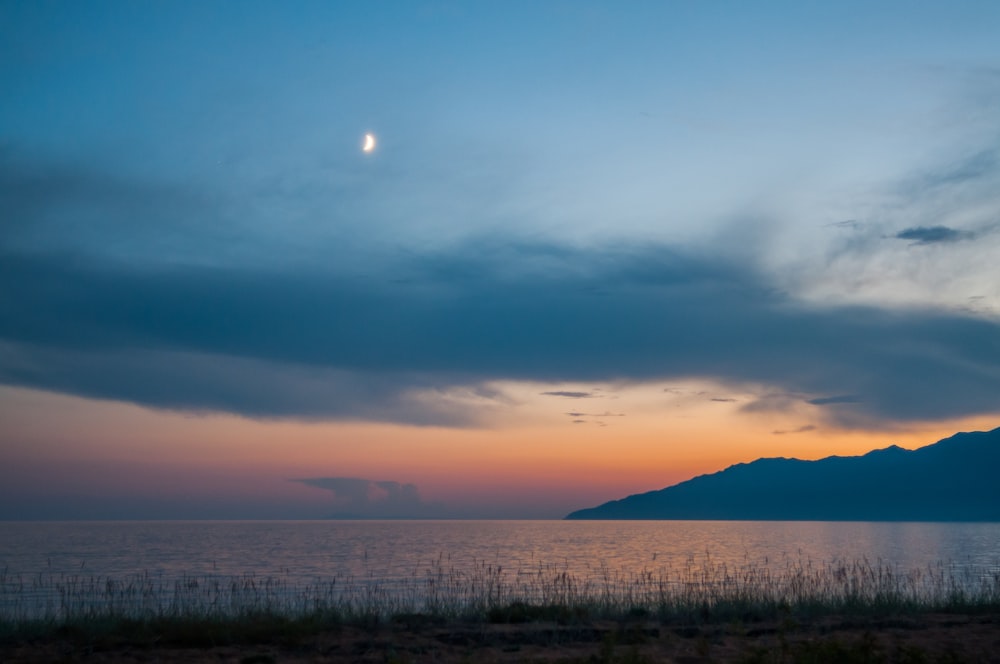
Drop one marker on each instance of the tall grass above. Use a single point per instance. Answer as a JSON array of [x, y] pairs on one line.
[[698, 590]]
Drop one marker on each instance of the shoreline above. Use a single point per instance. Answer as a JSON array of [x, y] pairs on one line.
[[418, 638], [859, 611]]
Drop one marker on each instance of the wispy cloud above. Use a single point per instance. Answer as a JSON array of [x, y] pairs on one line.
[[852, 224], [604, 414], [570, 395], [841, 398], [972, 168], [802, 429]]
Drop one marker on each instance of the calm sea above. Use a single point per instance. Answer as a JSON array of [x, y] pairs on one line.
[[304, 552]]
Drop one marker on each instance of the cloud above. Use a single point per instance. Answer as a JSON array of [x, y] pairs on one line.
[[604, 414], [578, 417], [852, 224], [73, 208], [361, 498], [217, 382], [300, 342], [931, 234], [723, 399], [802, 429], [93, 305], [977, 167], [949, 204], [842, 398]]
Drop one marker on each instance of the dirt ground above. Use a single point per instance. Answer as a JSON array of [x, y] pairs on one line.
[[910, 640]]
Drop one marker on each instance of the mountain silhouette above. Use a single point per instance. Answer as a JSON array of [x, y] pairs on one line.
[[955, 479]]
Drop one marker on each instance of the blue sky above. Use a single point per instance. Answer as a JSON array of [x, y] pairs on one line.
[[571, 121], [664, 116], [795, 199]]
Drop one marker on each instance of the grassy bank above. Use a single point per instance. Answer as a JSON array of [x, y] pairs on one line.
[[248, 608]]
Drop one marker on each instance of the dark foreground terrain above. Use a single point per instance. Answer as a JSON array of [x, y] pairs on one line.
[[910, 639]]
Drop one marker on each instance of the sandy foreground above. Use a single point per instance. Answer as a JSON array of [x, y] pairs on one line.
[[928, 638]]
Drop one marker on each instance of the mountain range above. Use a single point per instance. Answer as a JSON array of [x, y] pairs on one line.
[[955, 479]]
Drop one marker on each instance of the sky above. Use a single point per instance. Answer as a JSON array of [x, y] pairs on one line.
[[598, 249]]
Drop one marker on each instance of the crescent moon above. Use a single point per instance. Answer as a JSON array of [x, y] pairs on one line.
[[369, 143]]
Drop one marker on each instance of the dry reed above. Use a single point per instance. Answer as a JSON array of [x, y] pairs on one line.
[[697, 590]]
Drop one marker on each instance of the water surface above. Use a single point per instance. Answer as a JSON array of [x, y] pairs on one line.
[[306, 551]]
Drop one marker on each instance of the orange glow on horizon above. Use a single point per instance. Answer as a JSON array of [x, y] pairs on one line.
[[126, 448]]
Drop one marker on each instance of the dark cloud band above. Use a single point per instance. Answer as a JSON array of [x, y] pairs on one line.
[[323, 344]]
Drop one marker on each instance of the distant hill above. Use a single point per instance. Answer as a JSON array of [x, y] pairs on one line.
[[955, 479]]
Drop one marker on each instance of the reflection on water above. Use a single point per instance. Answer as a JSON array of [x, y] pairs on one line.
[[307, 551]]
